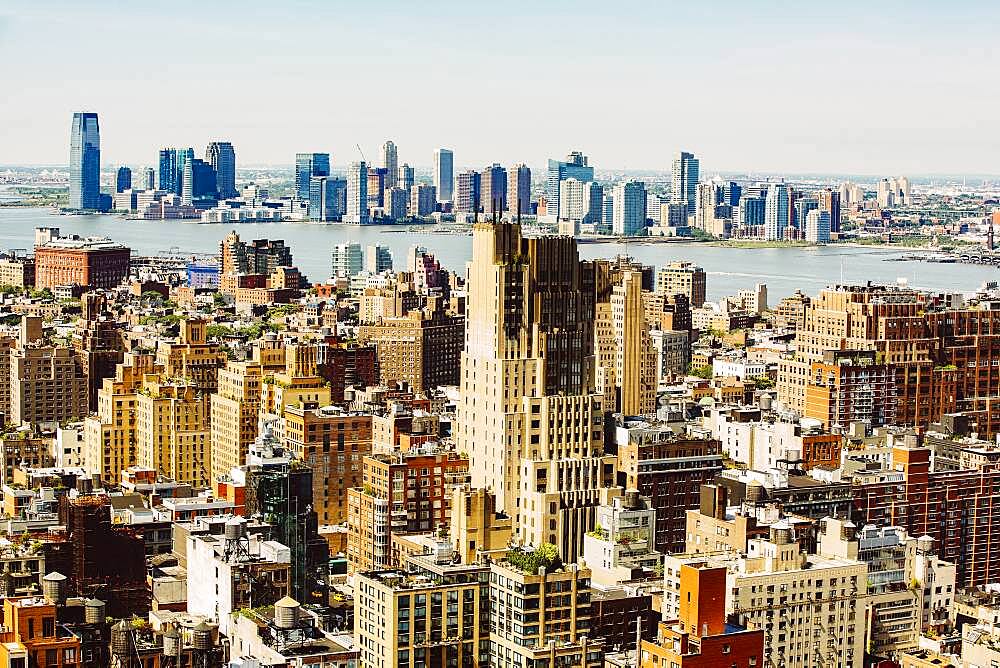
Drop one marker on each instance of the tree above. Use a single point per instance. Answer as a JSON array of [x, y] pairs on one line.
[[529, 561], [701, 371]]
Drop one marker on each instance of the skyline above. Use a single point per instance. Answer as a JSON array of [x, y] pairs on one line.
[[833, 113]]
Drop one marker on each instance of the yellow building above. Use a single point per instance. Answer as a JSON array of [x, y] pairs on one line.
[[192, 357], [298, 383], [109, 437], [529, 414], [682, 278], [235, 410], [172, 432]]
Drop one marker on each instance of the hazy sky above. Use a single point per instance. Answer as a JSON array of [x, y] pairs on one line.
[[838, 86]]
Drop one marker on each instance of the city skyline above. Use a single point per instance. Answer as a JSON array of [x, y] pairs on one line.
[[730, 116]]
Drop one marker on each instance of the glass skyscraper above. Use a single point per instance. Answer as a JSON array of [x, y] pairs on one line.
[[169, 176], [85, 163], [185, 173], [123, 179], [685, 180], [222, 156], [575, 167], [444, 174], [308, 165]]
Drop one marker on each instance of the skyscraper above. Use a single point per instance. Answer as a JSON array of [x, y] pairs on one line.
[[377, 178], [405, 177], [357, 194], [829, 201], [170, 178], [85, 163], [519, 190], [494, 190], [629, 214], [777, 213], [575, 167], [123, 179], [528, 413], [444, 174], [222, 157], [148, 179], [308, 165], [468, 198], [685, 180], [391, 164], [185, 167], [817, 226], [327, 198]]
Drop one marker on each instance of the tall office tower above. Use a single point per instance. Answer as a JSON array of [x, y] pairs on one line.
[[222, 157], [817, 227], [571, 195], [519, 190], [85, 163], [468, 195], [608, 214], [327, 198], [528, 413], [390, 163], [777, 214], [423, 200], [801, 209], [357, 194], [378, 259], [148, 179], [395, 204], [575, 167], [444, 174], [593, 203], [731, 193], [684, 180], [185, 166], [829, 201], [347, 259], [204, 183], [376, 186], [493, 190], [682, 278], [308, 165], [404, 178], [184, 157], [629, 209], [123, 179], [169, 178]]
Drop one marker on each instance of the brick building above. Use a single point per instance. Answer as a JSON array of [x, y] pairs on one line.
[[97, 263]]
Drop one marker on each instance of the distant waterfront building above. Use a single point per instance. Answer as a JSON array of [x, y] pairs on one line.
[[777, 213], [396, 202], [571, 195], [751, 211], [829, 201], [684, 180], [357, 194], [493, 184], [94, 262], [308, 165], [378, 259], [575, 166], [593, 203], [123, 179], [801, 210], [376, 186], [519, 190], [169, 178], [404, 178], [327, 198], [608, 214], [682, 278], [148, 179], [423, 200], [629, 214], [347, 259], [817, 228], [85, 163], [468, 198], [185, 168], [222, 157], [391, 164], [444, 174]]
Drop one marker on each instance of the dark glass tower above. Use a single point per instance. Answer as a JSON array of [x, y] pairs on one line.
[[308, 165], [169, 178], [85, 163], [222, 157]]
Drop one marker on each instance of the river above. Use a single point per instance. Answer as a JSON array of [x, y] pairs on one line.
[[784, 270]]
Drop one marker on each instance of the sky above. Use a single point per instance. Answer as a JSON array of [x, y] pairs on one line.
[[872, 87]]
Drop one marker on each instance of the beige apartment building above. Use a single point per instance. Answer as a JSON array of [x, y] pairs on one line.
[[192, 357], [47, 382], [172, 432], [682, 278], [235, 411]]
